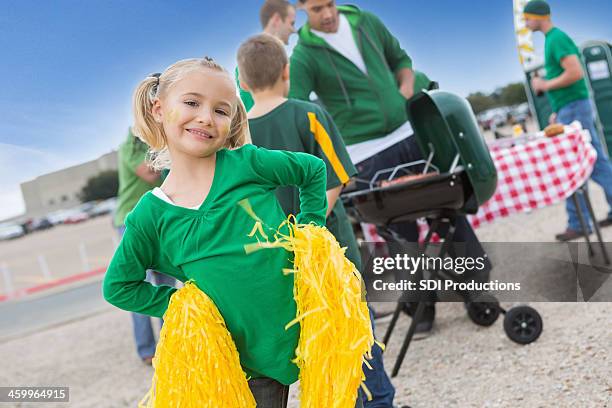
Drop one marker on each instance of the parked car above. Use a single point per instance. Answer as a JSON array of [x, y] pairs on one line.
[[104, 207], [39, 224], [71, 216], [10, 231], [75, 216], [87, 207], [58, 217], [520, 113], [493, 118]]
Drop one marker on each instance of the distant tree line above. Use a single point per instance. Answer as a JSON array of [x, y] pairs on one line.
[[104, 185], [511, 94]]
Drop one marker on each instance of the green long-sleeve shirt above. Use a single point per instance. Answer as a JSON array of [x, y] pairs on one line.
[[207, 245]]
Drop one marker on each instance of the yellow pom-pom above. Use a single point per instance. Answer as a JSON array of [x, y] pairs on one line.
[[335, 328], [196, 362]]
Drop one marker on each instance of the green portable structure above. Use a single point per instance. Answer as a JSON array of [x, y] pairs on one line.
[[597, 57], [538, 103]]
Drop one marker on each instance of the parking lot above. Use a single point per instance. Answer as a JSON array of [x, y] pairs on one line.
[[61, 251]]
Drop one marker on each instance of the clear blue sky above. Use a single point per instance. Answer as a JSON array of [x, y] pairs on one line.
[[69, 67]]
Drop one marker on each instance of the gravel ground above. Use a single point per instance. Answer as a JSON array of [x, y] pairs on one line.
[[461, 365]]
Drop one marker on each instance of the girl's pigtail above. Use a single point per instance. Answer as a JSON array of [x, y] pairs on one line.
[[145, 126], [239, 134]]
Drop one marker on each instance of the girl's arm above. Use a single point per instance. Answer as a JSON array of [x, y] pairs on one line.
[[305, 171], [124, 283]]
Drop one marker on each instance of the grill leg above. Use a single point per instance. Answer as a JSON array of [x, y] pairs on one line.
[[432, 229], [583, 225], [396, 315], [389, 234], [587, 200], [421, 304], [408, 338]]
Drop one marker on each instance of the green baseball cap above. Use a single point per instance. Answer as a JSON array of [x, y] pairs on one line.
[[537, 9]]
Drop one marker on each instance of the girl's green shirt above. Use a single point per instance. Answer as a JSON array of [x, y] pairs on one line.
[[207, 245]]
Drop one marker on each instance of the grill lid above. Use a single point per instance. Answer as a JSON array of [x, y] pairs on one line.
[[445, 124]]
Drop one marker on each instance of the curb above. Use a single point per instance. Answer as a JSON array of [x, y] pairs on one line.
[[51, 284]]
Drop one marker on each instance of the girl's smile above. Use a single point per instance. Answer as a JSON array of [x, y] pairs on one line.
[[200, 133]]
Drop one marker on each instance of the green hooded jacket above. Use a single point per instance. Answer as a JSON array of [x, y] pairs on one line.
[[363, 106]]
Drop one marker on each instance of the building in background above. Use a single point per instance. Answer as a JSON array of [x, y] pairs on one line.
[[60, 189]]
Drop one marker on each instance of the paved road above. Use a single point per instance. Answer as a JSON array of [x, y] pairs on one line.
[[59, 252], [26, 316]]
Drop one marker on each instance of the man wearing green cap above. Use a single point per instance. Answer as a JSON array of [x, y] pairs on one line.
[[569, 97]]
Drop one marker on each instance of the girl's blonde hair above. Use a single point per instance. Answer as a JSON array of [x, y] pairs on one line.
[[157, 85]]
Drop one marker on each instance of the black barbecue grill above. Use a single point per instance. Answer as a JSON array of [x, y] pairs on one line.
[[456, 177]]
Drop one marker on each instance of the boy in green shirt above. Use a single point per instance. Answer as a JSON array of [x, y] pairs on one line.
[[279, 123], [276, 122], [277, 18]]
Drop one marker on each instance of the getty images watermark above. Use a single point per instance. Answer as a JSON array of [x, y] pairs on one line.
[[516, 272]]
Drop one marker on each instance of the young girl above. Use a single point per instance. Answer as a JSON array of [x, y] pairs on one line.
[[193, 228]]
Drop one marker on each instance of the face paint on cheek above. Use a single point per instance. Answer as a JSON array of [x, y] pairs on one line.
[[172, 116], [225, 128]]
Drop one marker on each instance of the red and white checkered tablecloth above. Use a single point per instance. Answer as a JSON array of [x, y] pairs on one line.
[[530, 175], [538, 173]]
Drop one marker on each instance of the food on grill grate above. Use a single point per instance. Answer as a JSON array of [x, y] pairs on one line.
[[407, 178]]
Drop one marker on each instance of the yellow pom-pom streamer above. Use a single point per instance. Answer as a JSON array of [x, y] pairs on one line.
[[335, 329], [196, 361]]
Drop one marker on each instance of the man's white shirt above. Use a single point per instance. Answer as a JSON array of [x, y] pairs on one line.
[[344, 42]]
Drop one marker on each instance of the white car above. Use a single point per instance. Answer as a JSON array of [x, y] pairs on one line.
[[58, 217], [104, 207], [10, 231]]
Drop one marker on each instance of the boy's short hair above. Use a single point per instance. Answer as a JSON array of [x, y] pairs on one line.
[[261, 60], [271, 7]]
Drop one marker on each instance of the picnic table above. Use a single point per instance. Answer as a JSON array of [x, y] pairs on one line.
[[535, 172]]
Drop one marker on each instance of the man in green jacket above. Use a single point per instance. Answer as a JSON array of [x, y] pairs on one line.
[[363, 77], [363, 80]]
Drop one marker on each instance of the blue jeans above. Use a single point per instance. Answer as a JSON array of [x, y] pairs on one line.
[[376, 379], [141, 324], [582, 111]]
